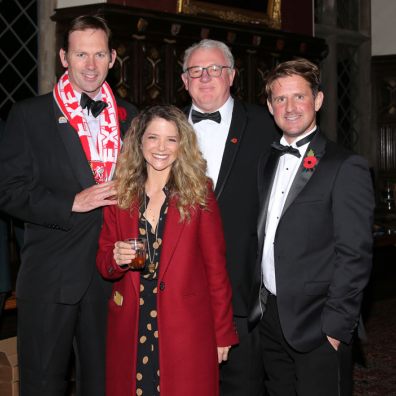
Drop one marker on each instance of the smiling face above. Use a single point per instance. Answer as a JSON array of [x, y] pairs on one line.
[[88, 60], [160, 145], [209, 93], [294, 106]]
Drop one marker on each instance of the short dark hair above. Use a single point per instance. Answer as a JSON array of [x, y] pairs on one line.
[[85, 22], [299, 67]]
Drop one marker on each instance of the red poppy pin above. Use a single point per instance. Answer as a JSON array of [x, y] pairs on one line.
[[310, 161], [122, 114], [234, 140]]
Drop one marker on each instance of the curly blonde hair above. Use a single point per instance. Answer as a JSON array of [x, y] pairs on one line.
[[187, 179]]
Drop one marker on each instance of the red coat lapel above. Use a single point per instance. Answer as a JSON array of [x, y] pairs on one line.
[[172, 233], [128, 223]]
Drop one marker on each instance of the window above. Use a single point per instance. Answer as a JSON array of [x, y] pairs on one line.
[[18, 52]]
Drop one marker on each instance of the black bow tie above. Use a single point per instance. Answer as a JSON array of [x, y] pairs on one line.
[[291, 150], [95, 106], [285, 149], [196, 116]]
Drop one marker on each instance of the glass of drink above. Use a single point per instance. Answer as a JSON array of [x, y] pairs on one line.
[[140, 247]]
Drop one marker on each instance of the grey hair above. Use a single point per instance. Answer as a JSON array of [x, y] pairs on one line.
[[208, 44]]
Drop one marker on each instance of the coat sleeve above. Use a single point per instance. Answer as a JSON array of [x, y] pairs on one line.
[[353, 207], [21, 193], [109, 235], [213, 249]]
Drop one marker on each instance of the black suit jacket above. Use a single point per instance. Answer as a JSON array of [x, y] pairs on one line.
[[251, 131], [43, 167], [323, 244]]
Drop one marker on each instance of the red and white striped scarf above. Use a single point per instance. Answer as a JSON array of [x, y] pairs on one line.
[[101, 155]]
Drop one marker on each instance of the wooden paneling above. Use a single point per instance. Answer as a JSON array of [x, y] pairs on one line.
[[150, 47], [162, 5], [384, 84]]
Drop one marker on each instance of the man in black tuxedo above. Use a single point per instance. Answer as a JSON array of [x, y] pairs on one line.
[[231, 135], [315, 242], [56, 164]]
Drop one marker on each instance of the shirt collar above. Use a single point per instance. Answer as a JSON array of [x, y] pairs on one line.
[[294, 144], [225, 110], [97, 97]]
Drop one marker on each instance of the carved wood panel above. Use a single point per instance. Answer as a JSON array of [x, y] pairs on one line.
[[386, 147], [150, 47], [384, 83]]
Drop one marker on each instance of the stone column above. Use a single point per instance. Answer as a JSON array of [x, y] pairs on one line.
[[326, 29], [47, 53], [328, 113]]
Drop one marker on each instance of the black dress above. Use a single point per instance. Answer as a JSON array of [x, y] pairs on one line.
[[147, 365]]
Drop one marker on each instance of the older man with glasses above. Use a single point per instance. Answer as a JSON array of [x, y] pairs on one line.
[[231, 135]]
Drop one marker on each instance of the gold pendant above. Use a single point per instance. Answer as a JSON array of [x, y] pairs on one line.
[[151, 267]]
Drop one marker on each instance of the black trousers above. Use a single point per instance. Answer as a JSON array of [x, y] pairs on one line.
[[320, 372], [47, 334], [242, 373]]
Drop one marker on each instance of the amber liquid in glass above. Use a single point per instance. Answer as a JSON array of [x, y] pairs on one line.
[[139, 245]]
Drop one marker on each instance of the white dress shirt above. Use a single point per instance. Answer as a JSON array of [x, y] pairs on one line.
[[286, 171], [212, 137], [93, 123]]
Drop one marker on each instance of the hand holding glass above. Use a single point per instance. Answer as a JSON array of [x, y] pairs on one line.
[[139, 245]]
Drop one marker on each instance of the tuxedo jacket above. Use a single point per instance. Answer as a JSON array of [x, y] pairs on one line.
[[251, 131], [43, 167], [323, 244]]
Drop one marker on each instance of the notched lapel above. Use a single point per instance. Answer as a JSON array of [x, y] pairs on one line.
[[234, 137], [172, 233], [75, 152], [303, 176]]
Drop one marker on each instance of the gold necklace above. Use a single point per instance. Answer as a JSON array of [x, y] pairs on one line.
[[151, 216], [151, 266]]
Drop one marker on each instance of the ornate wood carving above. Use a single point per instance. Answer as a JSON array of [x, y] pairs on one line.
[[150, 47], [384, 83], [271, 18]]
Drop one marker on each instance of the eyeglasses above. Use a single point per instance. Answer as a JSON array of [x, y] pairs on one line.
[[212, 70]]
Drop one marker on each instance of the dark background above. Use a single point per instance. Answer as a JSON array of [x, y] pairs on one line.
[[251, 5]]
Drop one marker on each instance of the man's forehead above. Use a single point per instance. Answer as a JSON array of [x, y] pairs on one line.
[[290, 80], [88, 35], [207, 55], [88, 39]]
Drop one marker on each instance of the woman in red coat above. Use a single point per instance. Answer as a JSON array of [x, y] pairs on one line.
[[170, 323]]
